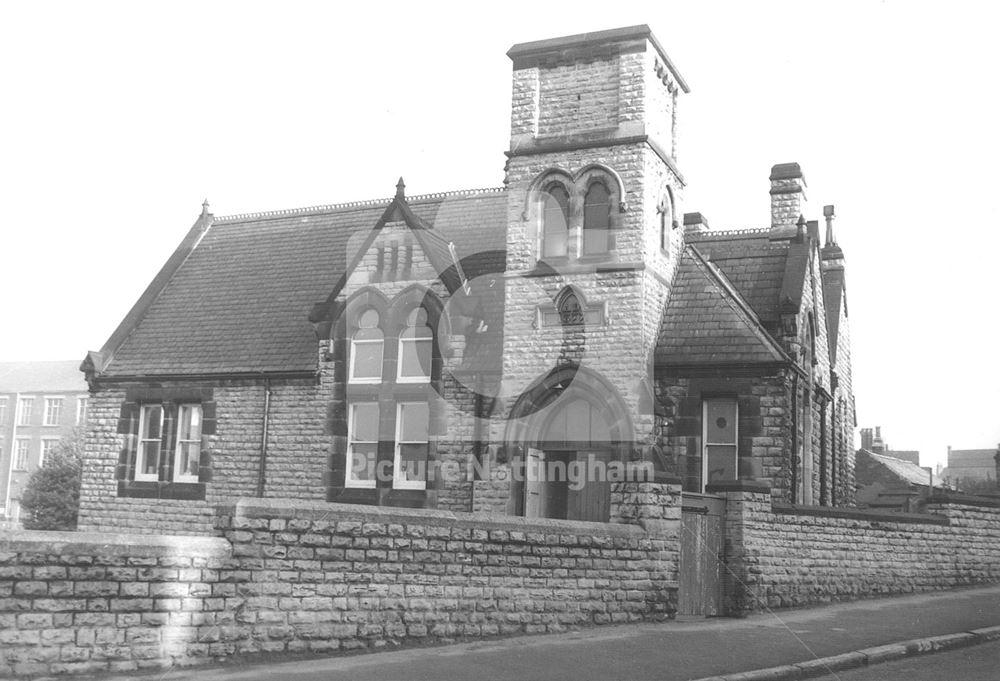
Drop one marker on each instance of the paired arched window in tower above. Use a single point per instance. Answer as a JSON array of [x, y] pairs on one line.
[[555, 221], [577, 216], [596, 219]]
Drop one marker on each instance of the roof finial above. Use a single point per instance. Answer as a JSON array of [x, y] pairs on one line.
[[801, 225], [400, 189], [204, 207]]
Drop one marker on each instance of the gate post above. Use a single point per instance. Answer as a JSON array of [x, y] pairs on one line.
[[653, 502], [746, 501]]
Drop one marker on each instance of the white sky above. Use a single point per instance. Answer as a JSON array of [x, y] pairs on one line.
[[118, 119]]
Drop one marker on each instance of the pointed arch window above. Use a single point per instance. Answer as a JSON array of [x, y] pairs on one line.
[[555, 221], [570, 310], [666, 209], [366, 349], [596, 219], [415, 346]]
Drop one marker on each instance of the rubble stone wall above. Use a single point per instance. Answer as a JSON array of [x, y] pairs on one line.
[[300, 576], [789, 556]]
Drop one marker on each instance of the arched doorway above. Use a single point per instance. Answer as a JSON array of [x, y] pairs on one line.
[[571, 432]]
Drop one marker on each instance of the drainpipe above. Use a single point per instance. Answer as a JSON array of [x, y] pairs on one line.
[[795, 435], [13, 441], [263, 438]]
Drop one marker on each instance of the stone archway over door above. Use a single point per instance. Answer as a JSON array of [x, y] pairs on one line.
[[565, 467]]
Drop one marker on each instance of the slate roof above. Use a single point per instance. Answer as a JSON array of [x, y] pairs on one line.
[[240, 302], [40, 377], [910, 473], [753, 263], [707, 321]]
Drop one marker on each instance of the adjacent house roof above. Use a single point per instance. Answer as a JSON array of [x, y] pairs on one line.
[[708, 322], [907, 472], [240, 301], [40, 377]]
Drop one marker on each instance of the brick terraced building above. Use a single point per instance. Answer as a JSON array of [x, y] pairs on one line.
[[425, 351]]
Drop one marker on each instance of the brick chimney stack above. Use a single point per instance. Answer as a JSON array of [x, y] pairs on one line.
[[878, 445], [866, 439], [695, 223], [788, 199]]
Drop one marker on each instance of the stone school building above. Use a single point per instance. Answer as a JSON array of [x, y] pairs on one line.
[[439, 351], [557, 403]]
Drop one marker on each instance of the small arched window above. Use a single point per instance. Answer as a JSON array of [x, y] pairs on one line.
[[666, 209], [570, 311], [555, 221], [366, 349], [415, 345], [596, 219]]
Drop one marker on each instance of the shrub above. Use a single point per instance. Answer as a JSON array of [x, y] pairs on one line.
[[51, 499]]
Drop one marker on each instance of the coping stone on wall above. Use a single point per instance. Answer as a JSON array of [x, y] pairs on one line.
[[872, 515], [322, 510], [108, 544]]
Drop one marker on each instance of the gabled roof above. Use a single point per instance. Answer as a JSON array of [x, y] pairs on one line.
[[240, 301], [908, 472], [754, 264], [707, 322], [40, 377]]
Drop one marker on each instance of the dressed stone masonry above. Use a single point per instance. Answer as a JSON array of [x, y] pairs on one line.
[[310, 577]]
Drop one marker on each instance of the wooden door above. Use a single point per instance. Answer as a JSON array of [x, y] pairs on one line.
[[702, 559], [592, 500], [534, 484]]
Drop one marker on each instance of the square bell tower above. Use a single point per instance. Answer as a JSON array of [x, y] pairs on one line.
[[594, 201]]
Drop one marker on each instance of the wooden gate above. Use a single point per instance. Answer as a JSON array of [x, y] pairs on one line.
[[701, 555]]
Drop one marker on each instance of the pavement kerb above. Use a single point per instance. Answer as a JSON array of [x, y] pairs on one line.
[[865, 656]]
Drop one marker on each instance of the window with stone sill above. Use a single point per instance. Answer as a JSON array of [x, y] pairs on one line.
[[415, 347], [22, 449], [555, 221], [367, 347], [577, 216], [412, 446], [163, 455], [597, 220], [362, 449], [25, 406], [53, 411], [81, 411]]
